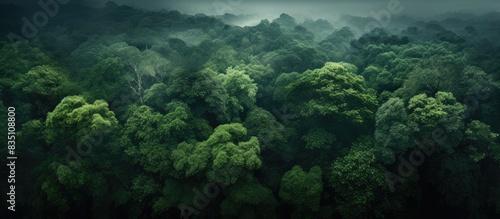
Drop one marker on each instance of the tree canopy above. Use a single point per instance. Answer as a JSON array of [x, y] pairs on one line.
[[123, 112]]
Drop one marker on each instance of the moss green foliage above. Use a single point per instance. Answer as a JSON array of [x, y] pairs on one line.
[[248, 200], [17, 62], [318, 138], [202, 87], [100, 76], [271, 134], [393, 133], [240, 88], [332, 91], [44, 81], [224, 147], [482, 141], [129, 113], [356, 178], [302, 189], [441, 111], [264, 77], [75, 119]]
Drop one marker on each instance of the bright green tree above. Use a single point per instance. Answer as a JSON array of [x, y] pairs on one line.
[[45, 86], [225, 147], [441, 112], [76, 121], [333, 91], [47, 81], [331, 99], [241, 89], [153, 135]]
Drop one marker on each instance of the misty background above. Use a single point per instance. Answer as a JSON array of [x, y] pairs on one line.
[[314, 9]]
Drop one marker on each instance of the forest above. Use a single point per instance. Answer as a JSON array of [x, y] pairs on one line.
[[122, 112]]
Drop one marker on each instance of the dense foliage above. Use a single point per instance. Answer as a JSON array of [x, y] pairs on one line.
[[124, 113]]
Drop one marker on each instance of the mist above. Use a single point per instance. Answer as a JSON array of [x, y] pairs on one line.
[[314, 8], [253, 11], [301, 9]]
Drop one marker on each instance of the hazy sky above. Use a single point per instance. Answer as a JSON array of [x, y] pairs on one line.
[[309, 8], [317, 7]]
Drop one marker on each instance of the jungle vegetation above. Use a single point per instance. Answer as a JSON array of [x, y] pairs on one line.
[[127, 113]]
